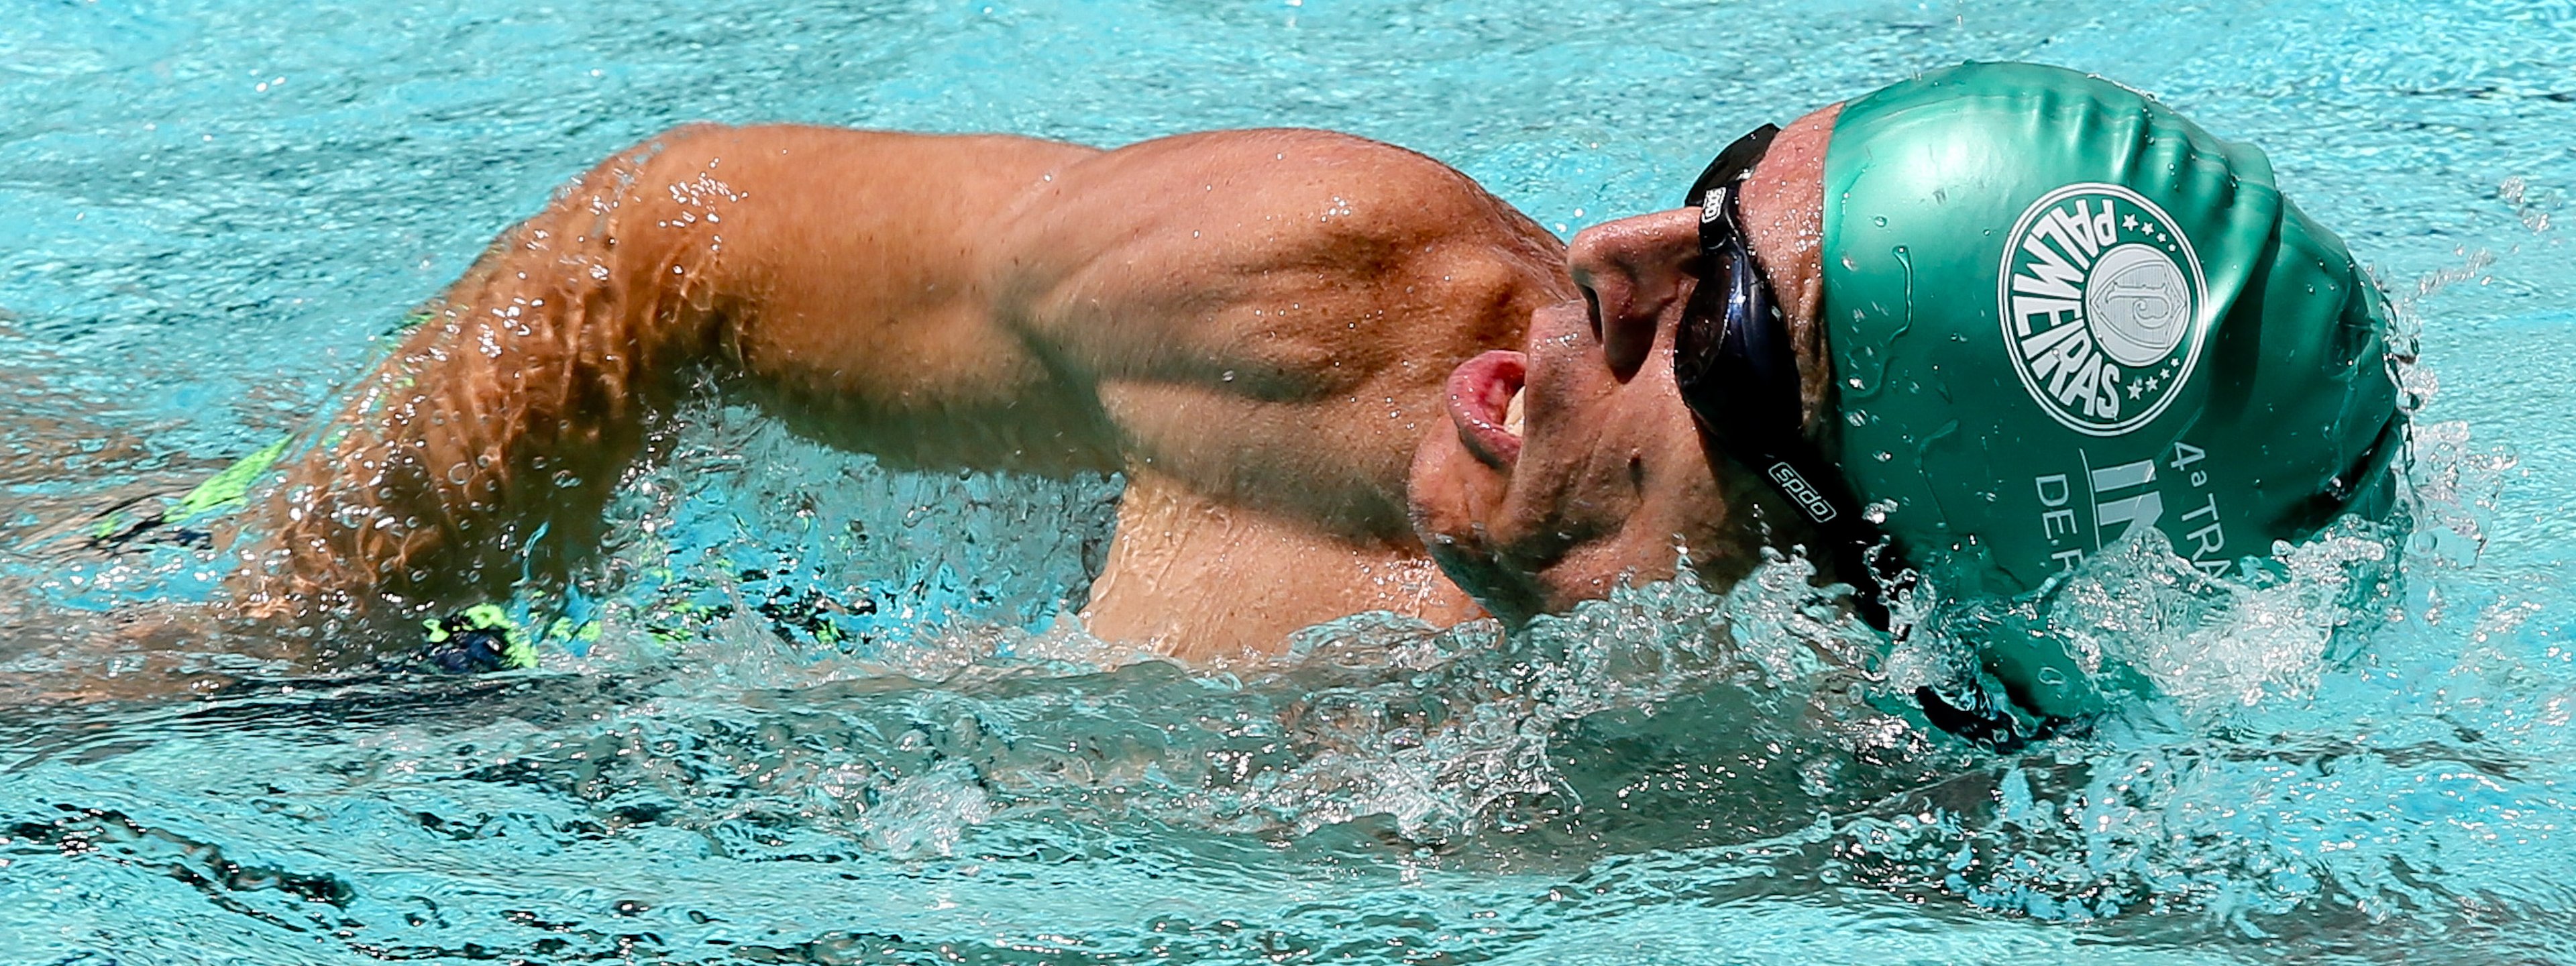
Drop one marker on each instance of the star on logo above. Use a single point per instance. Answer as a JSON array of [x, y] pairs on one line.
[[2152, 383], [2129, 222], [2135, 389]]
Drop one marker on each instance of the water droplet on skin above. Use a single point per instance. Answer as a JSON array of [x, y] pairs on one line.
[[1883, 456], [1228, 376], [1879, 220]]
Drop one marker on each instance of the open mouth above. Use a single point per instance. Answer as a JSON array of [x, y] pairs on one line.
[[1485, 403]]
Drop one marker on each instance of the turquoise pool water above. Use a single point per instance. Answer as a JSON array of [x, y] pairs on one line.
[[835, 715]]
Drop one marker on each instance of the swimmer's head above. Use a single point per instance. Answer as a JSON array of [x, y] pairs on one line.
[[2057, 311], [2026, 311], [2056, 315]]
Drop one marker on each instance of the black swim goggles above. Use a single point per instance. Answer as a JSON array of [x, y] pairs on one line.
[[1737, 372]]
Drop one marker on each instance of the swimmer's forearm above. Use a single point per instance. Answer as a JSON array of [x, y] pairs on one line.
[[483, 448], [836, 267]]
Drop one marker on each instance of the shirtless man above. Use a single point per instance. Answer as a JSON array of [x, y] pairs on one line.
[[1980, 323]]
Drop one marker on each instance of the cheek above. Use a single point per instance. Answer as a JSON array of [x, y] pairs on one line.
[[1631, 516], [1709, 524], [1723, 516], [1679, 504]]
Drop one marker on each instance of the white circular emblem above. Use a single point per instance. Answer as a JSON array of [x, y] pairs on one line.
[[2101, 298]]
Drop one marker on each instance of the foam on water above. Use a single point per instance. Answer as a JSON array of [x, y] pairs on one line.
[[836, 714]]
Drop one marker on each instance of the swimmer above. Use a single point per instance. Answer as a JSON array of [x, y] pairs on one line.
[[1979, 324]]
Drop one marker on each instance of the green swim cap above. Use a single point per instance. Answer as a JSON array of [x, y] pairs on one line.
[[2057, 311]]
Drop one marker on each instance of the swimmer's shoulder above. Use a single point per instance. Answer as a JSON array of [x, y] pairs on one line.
[[1336, 184], [1214, 208], [1301, 155]]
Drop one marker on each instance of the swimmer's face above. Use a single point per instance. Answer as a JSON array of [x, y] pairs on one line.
[[1572, 466]]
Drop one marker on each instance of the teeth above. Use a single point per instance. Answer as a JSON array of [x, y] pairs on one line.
[[1512, 416]]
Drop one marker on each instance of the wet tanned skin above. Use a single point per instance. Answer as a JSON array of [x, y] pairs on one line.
[[1260, 329]]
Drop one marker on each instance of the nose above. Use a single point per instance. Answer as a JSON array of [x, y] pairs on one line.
[[1635, 272]]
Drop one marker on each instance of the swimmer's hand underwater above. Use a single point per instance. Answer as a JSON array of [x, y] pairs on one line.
[[1339, 376]]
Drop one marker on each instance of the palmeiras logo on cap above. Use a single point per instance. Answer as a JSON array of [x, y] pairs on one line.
[[2101, 297]]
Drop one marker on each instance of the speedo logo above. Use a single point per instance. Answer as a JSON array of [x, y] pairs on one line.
[[2101, 298], [1711, 204], [1818, 509]]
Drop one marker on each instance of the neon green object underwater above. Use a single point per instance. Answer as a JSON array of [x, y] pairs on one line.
[[226, 489], [2057, 311], [515, 652]]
